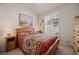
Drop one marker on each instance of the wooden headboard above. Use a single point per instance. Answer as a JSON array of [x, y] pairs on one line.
[[20, 30]]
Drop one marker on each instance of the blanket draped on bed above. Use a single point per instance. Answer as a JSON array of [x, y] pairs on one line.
[[35, 44]]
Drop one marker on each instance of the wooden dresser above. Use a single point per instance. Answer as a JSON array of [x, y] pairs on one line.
[[76, 36], [10, 43]]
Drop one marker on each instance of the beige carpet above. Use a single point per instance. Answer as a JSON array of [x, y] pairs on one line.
[[63, 50], [17, 51]]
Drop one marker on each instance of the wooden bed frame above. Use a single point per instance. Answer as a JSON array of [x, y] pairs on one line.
[[51, 51]]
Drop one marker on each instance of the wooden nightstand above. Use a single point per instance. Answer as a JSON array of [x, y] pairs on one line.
[[10, 43]]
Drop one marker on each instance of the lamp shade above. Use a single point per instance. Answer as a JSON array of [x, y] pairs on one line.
[[9, 32]]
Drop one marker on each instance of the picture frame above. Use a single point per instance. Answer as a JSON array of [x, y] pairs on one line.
[[25, 20]]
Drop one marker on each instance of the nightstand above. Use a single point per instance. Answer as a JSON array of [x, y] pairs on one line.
[[10, 43]]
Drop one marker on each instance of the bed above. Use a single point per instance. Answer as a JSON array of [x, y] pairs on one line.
[[36, 44]]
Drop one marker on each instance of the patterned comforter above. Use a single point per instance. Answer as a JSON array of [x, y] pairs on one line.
[[35, 44]]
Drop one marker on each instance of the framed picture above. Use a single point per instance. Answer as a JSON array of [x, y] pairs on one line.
[[25, 20]]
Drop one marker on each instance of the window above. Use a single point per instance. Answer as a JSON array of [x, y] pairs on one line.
[[51, 24]]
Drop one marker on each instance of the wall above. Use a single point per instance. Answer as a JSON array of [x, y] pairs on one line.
[[9, 18], [67, 12]]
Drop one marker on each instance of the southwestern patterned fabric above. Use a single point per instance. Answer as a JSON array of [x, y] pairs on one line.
[[35, 44]]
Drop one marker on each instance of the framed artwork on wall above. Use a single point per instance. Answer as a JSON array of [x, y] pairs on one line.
[[25, 20]]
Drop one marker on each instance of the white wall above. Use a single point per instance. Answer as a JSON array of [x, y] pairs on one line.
[[67, 12], [9, 18]]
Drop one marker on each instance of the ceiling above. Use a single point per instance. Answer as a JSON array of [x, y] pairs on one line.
[[40, 8]]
